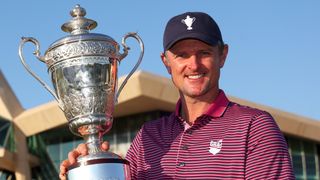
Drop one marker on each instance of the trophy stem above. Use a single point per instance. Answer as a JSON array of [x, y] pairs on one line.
[[93, 142]]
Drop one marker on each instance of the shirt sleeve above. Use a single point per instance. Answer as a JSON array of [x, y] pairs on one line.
[[132, 155], [267, 154]]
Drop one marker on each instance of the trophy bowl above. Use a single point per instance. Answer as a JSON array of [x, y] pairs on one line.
[[83, 67]]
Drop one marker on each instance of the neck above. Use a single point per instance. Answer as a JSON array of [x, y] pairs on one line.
[[192, 108]]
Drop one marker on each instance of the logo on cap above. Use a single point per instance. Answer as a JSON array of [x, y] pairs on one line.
[[188, 21]]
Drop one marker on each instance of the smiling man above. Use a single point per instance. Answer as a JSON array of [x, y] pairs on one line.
[[207, 137], [195, 69]]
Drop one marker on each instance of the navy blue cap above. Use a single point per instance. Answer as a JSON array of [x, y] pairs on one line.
[[191, 25]]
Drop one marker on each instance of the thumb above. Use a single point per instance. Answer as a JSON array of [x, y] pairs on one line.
[[105, 146]]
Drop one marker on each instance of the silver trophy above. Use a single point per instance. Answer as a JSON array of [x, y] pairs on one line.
[[83, 68]]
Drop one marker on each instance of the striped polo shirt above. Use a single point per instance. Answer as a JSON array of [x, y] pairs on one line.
[[229, 141]]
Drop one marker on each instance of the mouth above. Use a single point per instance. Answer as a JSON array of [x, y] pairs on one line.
[[195, 76]]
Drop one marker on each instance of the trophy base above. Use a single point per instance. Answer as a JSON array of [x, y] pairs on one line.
[[100, 169]]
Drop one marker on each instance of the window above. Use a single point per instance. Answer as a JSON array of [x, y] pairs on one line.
[[310, 159], [5, 175], [297, 160], [4, 126], [6, 135], [305, 158]]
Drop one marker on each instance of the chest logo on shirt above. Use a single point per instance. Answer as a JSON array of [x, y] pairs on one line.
[[215, 146]]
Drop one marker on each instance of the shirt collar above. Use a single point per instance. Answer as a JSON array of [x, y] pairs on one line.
[[216, 109]]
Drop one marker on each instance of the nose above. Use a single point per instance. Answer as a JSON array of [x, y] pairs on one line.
[[193, 62]]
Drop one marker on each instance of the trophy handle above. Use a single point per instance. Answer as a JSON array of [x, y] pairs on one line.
[[41, 58], [125, 53]]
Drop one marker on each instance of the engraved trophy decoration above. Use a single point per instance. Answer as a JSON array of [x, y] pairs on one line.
[[83, 68]]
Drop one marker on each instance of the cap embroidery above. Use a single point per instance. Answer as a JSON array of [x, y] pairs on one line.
[[215, 146], [188, 21]]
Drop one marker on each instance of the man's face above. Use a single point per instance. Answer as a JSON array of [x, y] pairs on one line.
[[195, 67]]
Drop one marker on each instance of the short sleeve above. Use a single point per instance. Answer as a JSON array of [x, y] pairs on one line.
[[267, 154]]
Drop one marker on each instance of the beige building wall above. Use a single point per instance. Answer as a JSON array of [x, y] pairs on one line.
[[10, 107], [144, 92], [147, 92]]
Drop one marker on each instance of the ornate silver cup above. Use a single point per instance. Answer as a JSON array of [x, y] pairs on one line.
[[83, 68]]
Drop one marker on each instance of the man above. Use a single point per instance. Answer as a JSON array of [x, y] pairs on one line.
[[207, 137]]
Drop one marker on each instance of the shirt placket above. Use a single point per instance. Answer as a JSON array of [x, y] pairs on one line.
[[183, 152]]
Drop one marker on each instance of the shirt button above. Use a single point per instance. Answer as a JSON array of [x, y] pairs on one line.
[[184, 147], [181, 164], [189, 131]]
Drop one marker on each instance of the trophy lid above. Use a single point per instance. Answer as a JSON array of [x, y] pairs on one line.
[[79, 28], [79, 24]]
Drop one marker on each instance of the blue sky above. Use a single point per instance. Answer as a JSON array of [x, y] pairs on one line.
[[273, 57]]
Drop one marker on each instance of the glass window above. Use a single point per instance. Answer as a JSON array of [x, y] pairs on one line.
[[4, 132], [122, 138], [5, 175], [297, 165], [65, 148], [295, 146], [54, 151], [297, 161], [310, 159], [311, 167], [305, 158], [58, 152]]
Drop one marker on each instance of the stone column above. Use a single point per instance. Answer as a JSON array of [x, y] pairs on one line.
[[22, 167]]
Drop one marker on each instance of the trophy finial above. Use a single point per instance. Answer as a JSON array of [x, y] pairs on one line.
[[78, 11], [78, 24]]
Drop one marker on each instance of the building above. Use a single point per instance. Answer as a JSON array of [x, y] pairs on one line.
[[33, 142]]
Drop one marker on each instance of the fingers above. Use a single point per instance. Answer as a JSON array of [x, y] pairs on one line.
[[105, 146], [72, 158], [82, 149], [63, 169], [62, 176]]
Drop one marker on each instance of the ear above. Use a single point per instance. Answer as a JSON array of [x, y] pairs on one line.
[[166, 62], [224, 55]]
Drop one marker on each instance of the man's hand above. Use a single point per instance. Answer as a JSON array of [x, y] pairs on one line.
[[81, 150]]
